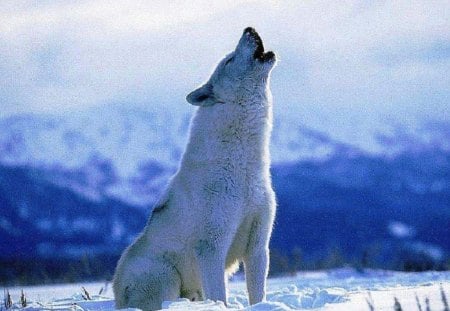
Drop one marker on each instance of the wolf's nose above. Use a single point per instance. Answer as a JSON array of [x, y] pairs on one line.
[[249, 30]]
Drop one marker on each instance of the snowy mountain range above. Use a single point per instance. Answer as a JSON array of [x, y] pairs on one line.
[[128, 153], [98, 153], [96, 173]]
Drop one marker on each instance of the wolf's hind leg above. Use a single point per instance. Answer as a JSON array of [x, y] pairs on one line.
[[148, 289]]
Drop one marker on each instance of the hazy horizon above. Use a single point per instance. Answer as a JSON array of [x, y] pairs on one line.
[[338, 63]]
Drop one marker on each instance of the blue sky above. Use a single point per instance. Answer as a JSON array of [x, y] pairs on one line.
[[357, 59]]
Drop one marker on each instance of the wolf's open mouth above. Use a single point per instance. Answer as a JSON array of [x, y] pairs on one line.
[[259, 51]]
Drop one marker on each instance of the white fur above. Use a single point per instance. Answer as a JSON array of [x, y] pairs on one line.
[[219, 208]]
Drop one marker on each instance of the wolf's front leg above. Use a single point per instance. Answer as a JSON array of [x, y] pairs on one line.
[[212, 270], [256, 269], [256, 263]]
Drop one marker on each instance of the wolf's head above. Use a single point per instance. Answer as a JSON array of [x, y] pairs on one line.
[[240, 75]]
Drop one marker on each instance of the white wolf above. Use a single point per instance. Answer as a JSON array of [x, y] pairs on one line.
[[219, 208]]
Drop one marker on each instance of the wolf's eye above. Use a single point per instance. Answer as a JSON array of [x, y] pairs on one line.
[[229, 60]]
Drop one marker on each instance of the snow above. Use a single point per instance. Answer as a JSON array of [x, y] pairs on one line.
[[435, 252], [401, 230], [341, 289]]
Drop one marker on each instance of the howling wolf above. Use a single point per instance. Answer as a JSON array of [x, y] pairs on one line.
[[218, 209]]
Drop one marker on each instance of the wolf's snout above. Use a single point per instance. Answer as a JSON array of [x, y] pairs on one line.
[[256, 40], [249, 30], [259, 46]]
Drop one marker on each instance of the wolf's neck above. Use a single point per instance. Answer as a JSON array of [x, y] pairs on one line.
[[231, 132]]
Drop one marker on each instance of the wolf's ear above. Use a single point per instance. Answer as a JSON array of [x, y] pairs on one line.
[[203, 96]]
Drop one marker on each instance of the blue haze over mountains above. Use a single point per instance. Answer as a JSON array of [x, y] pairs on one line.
[[79, 185]]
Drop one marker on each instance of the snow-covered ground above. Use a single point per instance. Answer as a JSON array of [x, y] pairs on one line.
[[342, 289]]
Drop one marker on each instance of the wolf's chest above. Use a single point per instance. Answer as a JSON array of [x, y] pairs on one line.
[[238, 182]]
